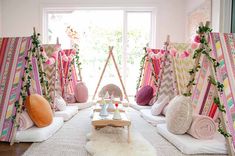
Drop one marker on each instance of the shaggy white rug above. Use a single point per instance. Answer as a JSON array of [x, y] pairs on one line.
[[110, 141]]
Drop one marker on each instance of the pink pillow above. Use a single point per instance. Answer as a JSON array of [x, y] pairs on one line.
[[25, 121], [158, 106], [81, 92], [144, 95]]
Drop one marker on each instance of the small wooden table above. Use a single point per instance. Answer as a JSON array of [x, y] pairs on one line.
[[99, 122]]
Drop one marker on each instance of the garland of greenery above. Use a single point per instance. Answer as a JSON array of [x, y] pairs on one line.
[[73, 35], [40, 58], [77, 58], [141, 69], [204, 49]]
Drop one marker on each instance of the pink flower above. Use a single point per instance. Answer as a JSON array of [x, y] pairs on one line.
[[194, 45], [173, 52], [197, 39]]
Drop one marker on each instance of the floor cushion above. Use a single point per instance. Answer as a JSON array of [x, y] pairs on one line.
[[189, 145], [39, 110], [36, 134], [144, 95], [68, 113], [154, 120], [81, 92], [82, 105], [138, 107]]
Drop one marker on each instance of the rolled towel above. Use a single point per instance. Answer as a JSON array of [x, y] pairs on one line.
[[25, 121], [202, 127]]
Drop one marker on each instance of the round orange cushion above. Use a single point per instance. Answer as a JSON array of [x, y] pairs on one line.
[[39, 110]]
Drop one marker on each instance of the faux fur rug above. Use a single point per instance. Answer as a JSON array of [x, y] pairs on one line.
[[110, 141]]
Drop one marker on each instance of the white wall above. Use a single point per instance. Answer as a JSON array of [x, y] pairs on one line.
[[20, 16]]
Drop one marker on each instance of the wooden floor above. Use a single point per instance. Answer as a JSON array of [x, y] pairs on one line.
[[15, 150]]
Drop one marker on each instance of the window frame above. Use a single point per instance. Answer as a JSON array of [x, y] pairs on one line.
[[126, 10]]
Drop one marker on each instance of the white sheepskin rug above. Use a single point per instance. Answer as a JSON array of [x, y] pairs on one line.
[[110, 141]]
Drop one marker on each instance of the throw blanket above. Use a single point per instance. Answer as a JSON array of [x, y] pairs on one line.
[[202, 127], [25, 121]]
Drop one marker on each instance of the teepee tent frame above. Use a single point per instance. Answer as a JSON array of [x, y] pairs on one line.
[[222, 115], [116, 67]]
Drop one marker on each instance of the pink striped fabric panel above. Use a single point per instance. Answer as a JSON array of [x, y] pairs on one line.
[[202, 97], [35, 81], [223, 47], [149, 67], [12, 54]]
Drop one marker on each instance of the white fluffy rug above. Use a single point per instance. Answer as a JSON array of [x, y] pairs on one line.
[[110, 141]]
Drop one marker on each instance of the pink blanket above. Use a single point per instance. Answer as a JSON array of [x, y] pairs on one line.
[[25, 121], [202, 127]]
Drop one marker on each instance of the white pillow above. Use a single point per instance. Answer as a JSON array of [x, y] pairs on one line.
[[158, 106], [60, 102], [179, 114]]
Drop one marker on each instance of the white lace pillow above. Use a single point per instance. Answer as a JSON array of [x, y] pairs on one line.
[[158, 106], [179, 115], [59, 102]]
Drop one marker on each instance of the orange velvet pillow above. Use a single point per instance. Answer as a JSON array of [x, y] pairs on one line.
[[39, 110]]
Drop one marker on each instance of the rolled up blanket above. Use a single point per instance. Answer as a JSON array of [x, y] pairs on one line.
[[25, 121], [202, 127]]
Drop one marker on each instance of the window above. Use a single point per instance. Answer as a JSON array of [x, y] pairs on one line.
[[128, 31]]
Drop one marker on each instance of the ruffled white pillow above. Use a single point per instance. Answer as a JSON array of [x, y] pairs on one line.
[[158, 106], [60, 102]]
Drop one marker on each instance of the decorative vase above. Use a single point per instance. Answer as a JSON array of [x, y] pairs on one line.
[[104, 111]]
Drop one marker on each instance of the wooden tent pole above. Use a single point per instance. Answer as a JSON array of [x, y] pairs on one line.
[[119, 75], [106, 63]]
